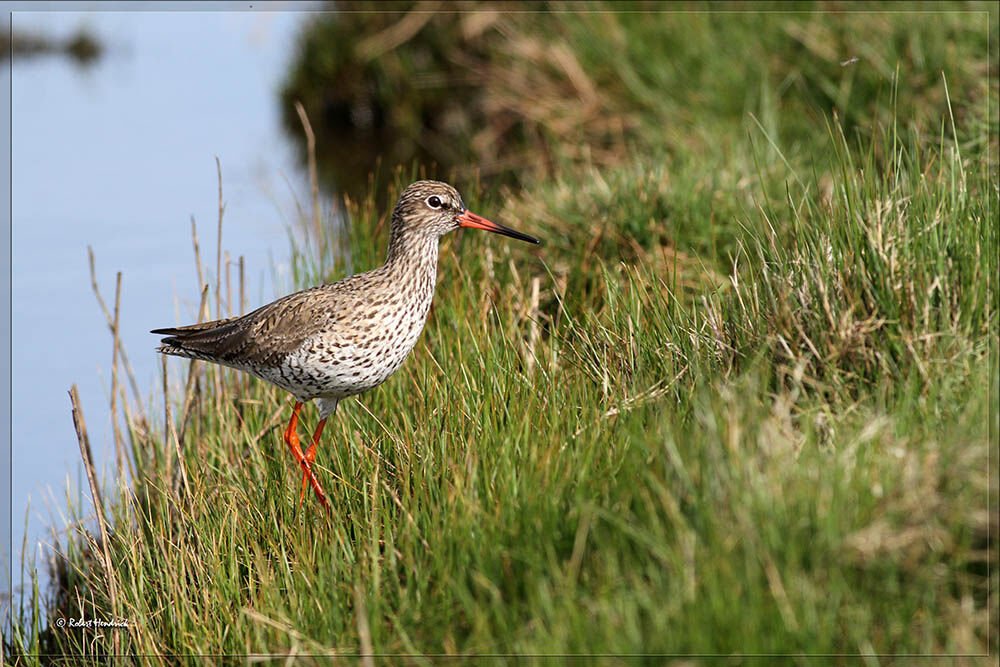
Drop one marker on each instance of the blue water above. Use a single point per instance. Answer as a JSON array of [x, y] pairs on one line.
[[119, 156]]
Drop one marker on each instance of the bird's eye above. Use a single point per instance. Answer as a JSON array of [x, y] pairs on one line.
[[434, 201]]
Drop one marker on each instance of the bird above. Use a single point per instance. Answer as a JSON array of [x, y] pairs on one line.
[[341, 339]]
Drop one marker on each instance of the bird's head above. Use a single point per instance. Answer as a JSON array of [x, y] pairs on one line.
[[436, 208]]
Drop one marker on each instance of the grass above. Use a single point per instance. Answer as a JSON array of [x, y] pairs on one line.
[[519, 96], [741, 401]]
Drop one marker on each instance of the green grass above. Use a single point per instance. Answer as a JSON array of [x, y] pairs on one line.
[[736, 403]]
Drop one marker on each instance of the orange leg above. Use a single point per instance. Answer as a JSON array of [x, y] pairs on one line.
[[310, 456], [292, 439]]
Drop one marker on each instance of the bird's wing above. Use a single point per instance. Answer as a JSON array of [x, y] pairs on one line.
[[262, 336]]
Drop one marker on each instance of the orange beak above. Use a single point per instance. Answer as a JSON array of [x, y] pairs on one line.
[[470, 219]]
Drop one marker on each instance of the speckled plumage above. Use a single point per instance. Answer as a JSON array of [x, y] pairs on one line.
[[337, 340]]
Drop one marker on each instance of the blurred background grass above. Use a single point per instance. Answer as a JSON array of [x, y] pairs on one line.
[[519, 92], [740, 401]]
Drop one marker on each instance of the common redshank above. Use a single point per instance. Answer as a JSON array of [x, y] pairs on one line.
[[338, 340]]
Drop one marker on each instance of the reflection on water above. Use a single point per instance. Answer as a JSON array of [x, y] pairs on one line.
[[82, 47], [121, 156]]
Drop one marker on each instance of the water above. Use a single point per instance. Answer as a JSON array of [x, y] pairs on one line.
[[119, 156]]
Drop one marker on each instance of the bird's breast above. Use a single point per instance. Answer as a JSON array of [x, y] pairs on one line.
[[358, 351]]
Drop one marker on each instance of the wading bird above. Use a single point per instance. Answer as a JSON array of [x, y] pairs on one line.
[[338, 340]]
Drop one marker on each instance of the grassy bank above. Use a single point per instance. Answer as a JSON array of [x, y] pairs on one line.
[[736, 403]]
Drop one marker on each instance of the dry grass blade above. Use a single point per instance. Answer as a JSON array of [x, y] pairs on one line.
[[313, 175], [244, 379], [229, 288], [631, 402], [243, 296], [197, 253], [364, 631], [133, 385], [402, 508], [398, 33], [88, 464], [218, 246], [533, 317], [216, 369], [189, 388], [119, 445], [312, 647], [169, 426], [274, 420]]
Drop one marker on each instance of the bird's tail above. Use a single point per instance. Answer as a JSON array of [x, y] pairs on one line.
[[195, 341]]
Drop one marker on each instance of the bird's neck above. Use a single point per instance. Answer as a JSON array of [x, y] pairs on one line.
[[412, 260]]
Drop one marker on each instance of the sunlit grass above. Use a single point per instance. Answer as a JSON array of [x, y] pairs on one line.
[[729, 406]]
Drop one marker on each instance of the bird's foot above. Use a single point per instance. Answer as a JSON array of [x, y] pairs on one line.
[[292, 439], [308, 458]]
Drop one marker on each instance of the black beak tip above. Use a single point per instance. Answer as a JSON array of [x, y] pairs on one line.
[[521, 236]]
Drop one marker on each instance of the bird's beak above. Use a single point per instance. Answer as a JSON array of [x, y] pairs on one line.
[[470, 219]]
